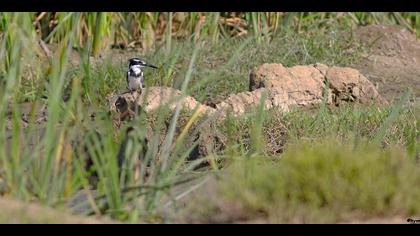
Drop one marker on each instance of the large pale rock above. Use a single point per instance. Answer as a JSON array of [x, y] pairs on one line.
[[123, 106], [241, 102], [295, 86], [348, 85], [305, 86]]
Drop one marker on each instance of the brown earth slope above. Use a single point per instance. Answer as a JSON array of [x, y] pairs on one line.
[[16, 212], [393, 62]]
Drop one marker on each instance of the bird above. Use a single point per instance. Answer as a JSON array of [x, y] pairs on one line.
[[135, 75]]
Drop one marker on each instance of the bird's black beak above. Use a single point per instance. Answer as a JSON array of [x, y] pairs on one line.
[[152, 66]]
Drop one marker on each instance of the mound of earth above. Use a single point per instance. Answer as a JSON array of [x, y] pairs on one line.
[[393, 62], [279, 87], [123, 106], [283, 87], [303, 86]]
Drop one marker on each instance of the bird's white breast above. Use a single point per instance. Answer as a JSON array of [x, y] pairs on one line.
[[134, 83], [136, 69]]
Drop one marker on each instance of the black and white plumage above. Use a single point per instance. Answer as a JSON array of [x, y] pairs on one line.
[[135, 75]]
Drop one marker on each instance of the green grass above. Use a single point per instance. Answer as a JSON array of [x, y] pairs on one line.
[[343, 123], [153, 29], [325, 181], [220, 69], [52, 170], [45, 162]]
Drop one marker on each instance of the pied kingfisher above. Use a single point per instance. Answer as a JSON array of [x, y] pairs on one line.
[[135, 74]]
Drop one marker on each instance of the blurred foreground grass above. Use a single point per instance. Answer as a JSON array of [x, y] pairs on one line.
[[323, 181]]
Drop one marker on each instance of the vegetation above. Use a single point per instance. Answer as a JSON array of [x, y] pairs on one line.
[[326, 181], [208, 56], [155, 29]]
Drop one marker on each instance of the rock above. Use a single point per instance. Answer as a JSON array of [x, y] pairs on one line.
[[123, 106], [154, 97], [241, 102], [321, 67], [305, 86], [295, 86], [348, 85]]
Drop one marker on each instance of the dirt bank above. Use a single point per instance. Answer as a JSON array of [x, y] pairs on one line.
[[393, 61], [16, 212]]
